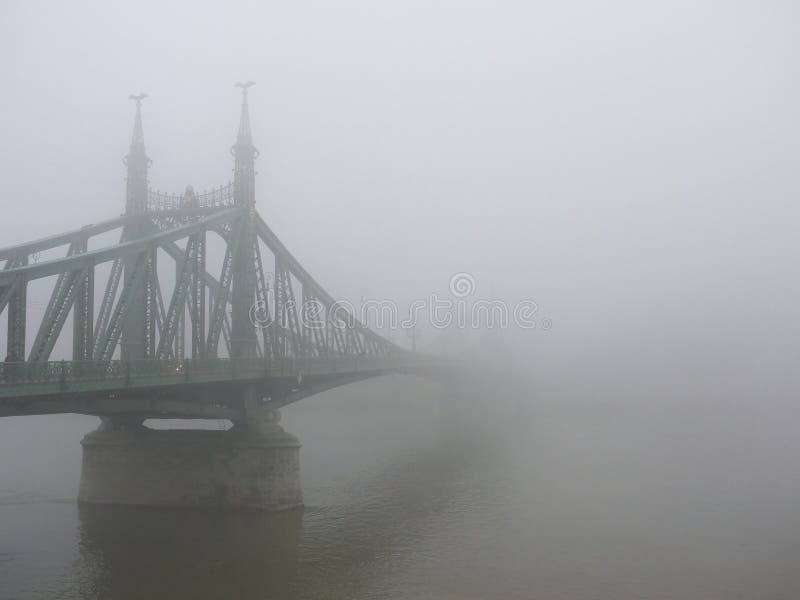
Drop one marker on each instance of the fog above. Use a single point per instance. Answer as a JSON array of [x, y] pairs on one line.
[[629, 166]]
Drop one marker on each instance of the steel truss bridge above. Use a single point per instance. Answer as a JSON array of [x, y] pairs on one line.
[[218, 345]]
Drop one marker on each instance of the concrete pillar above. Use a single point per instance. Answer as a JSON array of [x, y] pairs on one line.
[[254, 465]]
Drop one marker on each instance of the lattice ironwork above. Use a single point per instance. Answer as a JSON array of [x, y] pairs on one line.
[[262, 318], [218, 197]]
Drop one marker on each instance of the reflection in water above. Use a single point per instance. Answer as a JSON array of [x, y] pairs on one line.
[[131, 552], [365, 546]]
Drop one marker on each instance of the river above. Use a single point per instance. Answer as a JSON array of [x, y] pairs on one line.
[[412, 492]]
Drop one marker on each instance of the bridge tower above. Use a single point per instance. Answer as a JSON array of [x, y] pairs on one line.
[[243, 334], [138, 335]]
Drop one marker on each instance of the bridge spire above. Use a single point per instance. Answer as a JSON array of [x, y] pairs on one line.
[[245, 154], [133, 342], [244, 138], [137, 162], [243, 335]]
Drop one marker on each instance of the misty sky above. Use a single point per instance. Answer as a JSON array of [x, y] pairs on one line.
[[631, 166]]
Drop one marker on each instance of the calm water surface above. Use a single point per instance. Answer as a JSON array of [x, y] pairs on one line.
[[415, 493]]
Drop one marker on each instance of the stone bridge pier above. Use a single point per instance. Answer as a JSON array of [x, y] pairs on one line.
[[253, 465]]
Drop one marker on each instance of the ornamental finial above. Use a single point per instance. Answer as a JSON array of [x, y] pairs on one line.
[[244, 86], [137, 163], [137, 140], [138, 98], [244, 137]]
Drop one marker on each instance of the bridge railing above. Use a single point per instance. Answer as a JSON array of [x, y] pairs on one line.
[[18, 375]]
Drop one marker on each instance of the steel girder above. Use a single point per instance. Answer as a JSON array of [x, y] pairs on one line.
[[318, 327], [286, 311], [220, 303], [62, 239], [197, 295], [15, 297], [179, 349], [83, 316], [56, 312], [177, 305], [107, 304], [123, 308], [151, 291], [7, 292], [61, 301], [124, 249], [339, 313], [263, 317]]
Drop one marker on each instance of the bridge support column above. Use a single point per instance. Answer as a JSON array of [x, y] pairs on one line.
[[254, 465]]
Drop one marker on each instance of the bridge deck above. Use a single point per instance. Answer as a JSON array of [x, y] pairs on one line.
[[212, 388], [20, 380]]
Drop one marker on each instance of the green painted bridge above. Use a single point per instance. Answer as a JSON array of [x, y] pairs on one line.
[[195, 309]]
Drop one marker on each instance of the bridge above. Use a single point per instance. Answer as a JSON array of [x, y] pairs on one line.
[[238, 343]]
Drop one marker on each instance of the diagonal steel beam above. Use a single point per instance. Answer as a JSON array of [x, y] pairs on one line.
[[60, 304], [7, 292], [177, 304], [220, 303], [150, 304], [197, 296], [110, 339], [293, 265], [54, 267], [107, 304], [61, 239], [58, 290], [262, 298], [226, 332], [83, 318]]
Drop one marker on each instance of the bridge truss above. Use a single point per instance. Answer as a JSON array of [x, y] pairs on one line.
[[261, 309]]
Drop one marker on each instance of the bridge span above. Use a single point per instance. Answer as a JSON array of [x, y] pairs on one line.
[[155, 333]]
